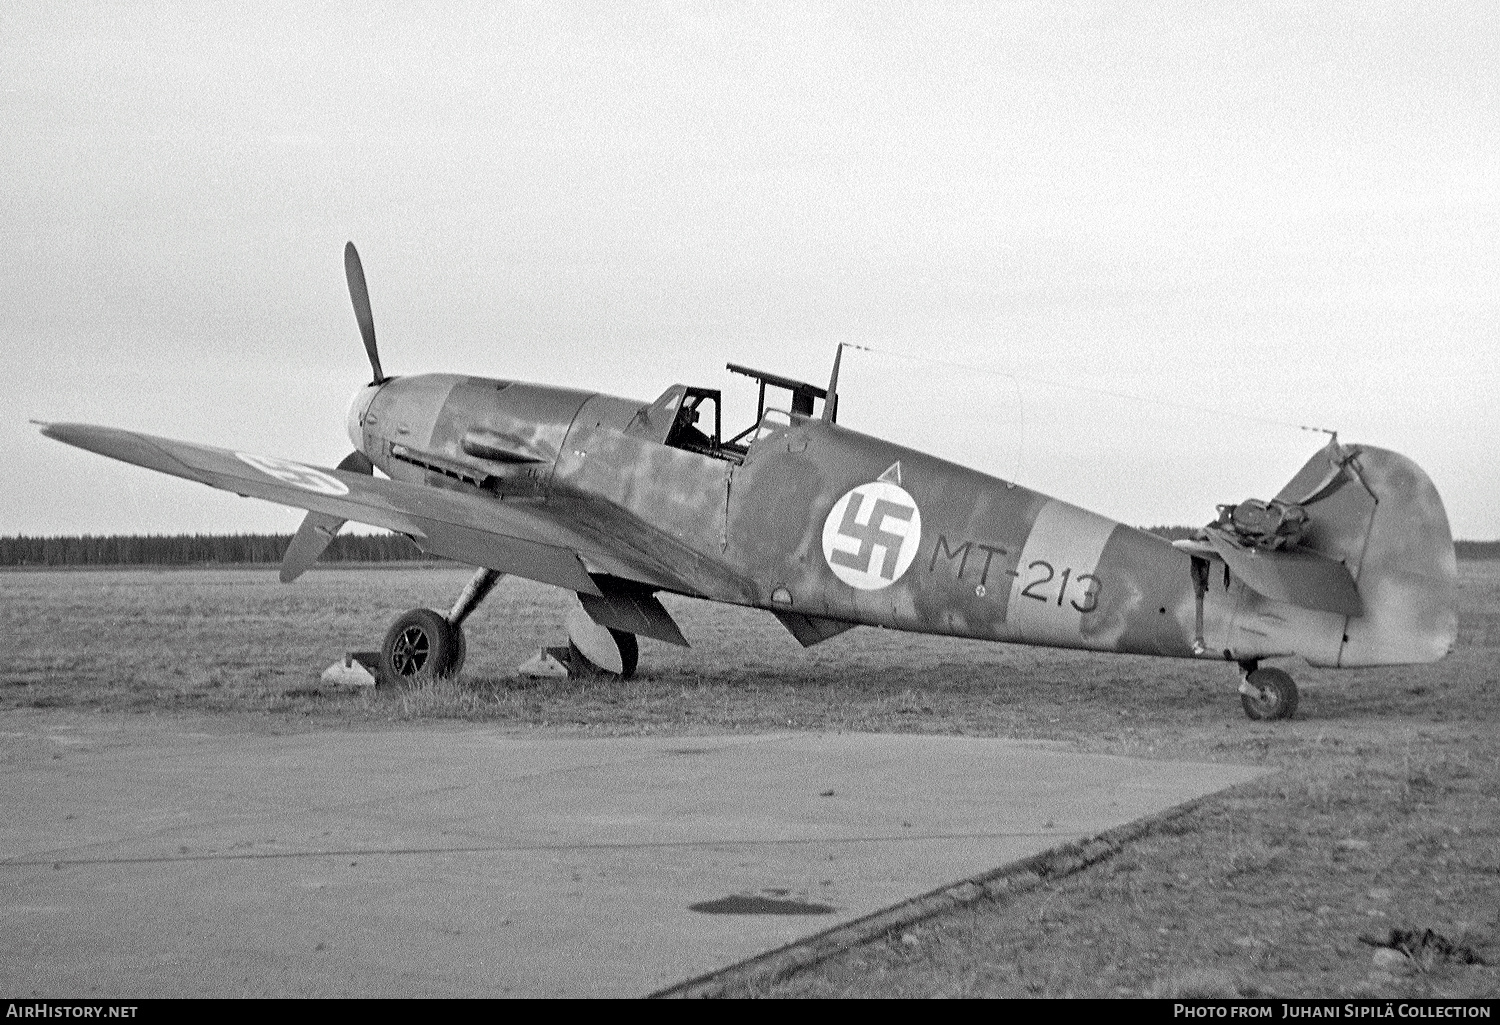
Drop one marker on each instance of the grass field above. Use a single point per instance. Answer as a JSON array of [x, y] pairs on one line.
[[1384, 814]]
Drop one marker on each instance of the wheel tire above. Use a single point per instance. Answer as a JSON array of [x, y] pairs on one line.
[[1278, 695], [630, 656], [421, 644], [630, 652], [460, 649]]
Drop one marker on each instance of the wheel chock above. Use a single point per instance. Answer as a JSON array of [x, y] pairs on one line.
[[543, 665], [355, 669]]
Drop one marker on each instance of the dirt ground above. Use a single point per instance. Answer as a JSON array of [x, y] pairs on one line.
[[1384, 813]]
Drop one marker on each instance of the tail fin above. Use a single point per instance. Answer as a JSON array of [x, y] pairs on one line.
[[1377, 512]]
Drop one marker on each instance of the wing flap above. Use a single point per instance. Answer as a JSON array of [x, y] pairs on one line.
[[632, 608], [533, 560]]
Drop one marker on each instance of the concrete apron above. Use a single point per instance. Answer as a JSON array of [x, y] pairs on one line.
[[139, 859]]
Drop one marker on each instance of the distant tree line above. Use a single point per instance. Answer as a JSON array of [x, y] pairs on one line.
[[194, 549], [198, 549]]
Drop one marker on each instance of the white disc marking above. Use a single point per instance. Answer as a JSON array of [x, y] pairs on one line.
[[872, 534], [295, 474]]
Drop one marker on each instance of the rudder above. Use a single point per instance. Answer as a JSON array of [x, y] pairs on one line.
[[1377, 512]]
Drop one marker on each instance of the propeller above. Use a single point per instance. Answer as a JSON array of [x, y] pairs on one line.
[[360, 295], [318, 529]]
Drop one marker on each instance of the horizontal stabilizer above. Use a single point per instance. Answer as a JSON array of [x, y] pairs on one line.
[[632, 608], [810, 630], [1298, 576]]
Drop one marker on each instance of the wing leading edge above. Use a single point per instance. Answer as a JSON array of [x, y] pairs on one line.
[[507, 537]]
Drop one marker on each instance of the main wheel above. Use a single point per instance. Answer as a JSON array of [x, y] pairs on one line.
[[624, 642], [421, 643], [1275, 697]]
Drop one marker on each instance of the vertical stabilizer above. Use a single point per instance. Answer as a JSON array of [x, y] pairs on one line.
[[1379, 514]]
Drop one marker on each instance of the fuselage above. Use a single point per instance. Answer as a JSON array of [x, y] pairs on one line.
[[818, 520]]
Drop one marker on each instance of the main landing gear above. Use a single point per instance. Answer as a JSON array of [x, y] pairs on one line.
[[1267, 693], [595, 650], [426, 643]]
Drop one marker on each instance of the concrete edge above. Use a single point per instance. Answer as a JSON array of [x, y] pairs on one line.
[[1007, 880]]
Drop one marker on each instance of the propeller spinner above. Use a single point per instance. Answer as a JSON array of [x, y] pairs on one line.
[[360, 295]]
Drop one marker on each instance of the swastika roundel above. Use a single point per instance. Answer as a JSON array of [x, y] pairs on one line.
[[295, 474], [872, 534]]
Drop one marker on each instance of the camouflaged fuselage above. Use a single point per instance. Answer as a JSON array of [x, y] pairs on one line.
[[820, 521]]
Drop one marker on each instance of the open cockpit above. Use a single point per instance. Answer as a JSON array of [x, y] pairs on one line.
[[692, 418]]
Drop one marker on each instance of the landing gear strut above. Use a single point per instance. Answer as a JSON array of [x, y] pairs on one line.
[[424, 641], [1267, 693]]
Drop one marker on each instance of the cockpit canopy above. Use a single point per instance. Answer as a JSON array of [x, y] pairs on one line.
[[691, 418]]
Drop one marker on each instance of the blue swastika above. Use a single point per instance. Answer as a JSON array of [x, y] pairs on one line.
[[871, 535]]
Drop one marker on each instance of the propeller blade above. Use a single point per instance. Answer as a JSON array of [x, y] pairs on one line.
[[357, 462], [318, 529], [313, 536], [360, 295]]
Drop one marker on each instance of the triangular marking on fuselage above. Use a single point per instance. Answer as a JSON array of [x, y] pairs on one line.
[[893, 475]]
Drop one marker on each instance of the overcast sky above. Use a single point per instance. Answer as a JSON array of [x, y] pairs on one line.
[[1288, 212]]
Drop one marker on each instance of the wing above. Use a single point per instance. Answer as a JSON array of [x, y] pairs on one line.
[[511, 537]]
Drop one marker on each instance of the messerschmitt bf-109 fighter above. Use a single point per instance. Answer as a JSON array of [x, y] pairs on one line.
[[1351, 564]]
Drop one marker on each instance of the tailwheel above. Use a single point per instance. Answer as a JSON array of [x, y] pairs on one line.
[[1269, 694], [421, 643]]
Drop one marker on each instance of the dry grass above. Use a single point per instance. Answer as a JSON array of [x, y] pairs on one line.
[[1385, 812]]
